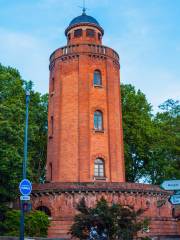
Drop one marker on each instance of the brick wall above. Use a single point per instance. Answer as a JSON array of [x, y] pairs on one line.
[[73, 143], [62, 198]]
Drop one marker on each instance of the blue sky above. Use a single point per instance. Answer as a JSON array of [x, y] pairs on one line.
[[146, 34]]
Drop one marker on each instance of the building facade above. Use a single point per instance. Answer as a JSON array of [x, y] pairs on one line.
[[85, 140], [85, 137]]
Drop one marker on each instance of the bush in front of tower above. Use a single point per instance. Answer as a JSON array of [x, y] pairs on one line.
[[36, 224], [106, 221]]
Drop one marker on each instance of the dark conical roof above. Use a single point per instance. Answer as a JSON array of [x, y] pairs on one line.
[[84, 19]]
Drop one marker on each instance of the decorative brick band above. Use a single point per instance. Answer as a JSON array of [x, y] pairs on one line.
[[129, 188], [96, 50]]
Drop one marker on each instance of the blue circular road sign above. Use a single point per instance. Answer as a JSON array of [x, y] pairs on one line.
[[25, 187]]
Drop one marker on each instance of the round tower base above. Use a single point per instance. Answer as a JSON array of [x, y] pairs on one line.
[[59, 201]]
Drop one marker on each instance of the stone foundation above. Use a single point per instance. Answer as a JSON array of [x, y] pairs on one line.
[[61, 199]]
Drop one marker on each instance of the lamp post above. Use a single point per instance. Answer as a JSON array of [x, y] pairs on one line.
[[28, 87]]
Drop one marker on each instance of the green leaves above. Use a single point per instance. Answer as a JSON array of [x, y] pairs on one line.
[[151, 143], [165, 155], [12, 121], [137, 125], [120, 222], [36, 224]]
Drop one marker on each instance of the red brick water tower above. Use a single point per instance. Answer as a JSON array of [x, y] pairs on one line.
[[85, 138]]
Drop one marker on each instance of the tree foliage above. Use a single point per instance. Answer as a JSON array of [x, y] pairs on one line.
[[120, 222], [12, 122], [164, 156], [151, 142], [36, 224], [137, 127]]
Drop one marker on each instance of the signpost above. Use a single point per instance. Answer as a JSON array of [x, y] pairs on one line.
[[175, 199], [24, 198], [25, 187], [171, 185]]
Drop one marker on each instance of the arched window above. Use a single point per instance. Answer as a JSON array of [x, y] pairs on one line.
[[97, 78], [78, 33], [45, 210], [90, 33], [99, 168], [98, 120]]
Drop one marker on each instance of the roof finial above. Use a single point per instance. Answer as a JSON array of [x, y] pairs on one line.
[[84, 8]]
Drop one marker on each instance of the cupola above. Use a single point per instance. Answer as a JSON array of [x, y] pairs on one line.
[[84, 29]]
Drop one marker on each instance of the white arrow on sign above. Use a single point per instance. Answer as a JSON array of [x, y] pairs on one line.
[[171, 185], [175, 199]]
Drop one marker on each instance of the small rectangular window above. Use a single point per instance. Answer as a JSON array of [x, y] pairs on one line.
[[52, 126], [99, 36], [52, 90], [90, 33], [78, 33], [50, 171]]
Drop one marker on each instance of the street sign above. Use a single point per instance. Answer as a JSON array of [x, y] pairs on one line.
[[24, 198], [171, 185], [175, 199], [25, 187]]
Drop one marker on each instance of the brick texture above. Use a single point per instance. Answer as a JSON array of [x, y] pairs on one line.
[[73, 144], [62, 198]]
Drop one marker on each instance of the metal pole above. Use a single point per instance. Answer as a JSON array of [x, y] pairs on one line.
[[22, 222], [26, 135], [24, 163]]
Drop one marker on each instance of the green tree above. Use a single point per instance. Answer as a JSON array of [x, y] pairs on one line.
[[120, 222], [137, 130], [165, 148], [12, 121], [151, 142], [36, 224]]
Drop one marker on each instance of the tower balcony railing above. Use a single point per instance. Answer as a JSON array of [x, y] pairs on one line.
[[86, 49]]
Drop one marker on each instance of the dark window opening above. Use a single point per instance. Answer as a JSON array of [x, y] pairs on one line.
[[99, 36], [97, 78], [98, 120], [52, 125], [45, 210], [90, 33], [52, 84], [99, 168], [69, 36], [50, 171], [78, 33]]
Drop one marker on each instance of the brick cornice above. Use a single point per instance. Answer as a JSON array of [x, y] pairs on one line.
[[129, 188], [87, 48]]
